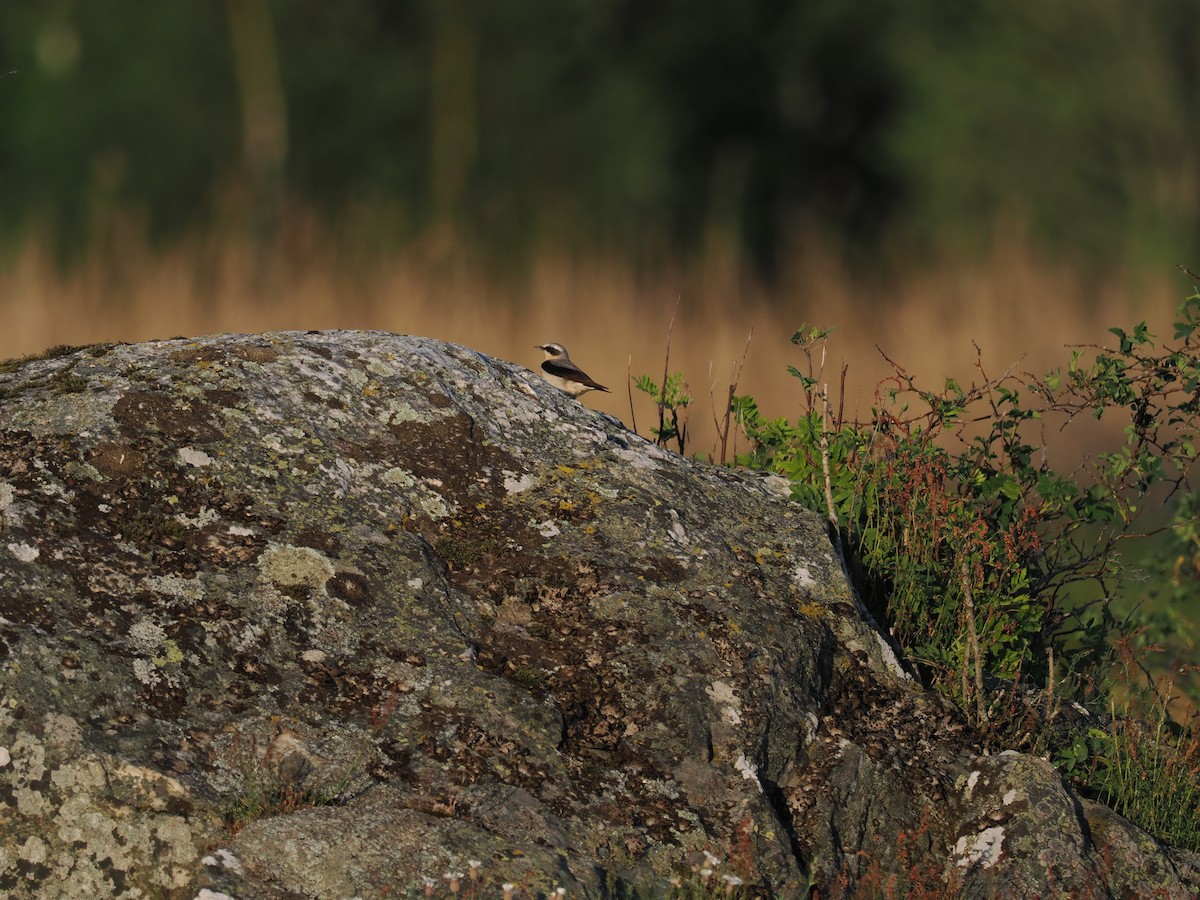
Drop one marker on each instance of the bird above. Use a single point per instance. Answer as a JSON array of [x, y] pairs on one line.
[[564, 374]]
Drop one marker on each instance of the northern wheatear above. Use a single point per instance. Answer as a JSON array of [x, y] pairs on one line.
[[564, 374]]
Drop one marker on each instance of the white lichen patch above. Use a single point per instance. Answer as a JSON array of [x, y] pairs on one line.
[[34, 850], [92, 819], [803, 577], [82, 775], [177, 587], [145, 636], [61, 731], [982, 849], [1010, 796], [5, 757], [190, 456], [647, 456], [514, 483], [431, 503], [398, 477], [662, 788], [225, 859], [145, 672], [28, 759], [398, 411], [723, 695], [676, 529], [777, 486], [547, 529], [204, 517], [890, 659], [156, 654], [748, 770], [289, 566], [341, 473], [161, 846], [248, 637], [972, 780], [381, 369], [24, 552], [6, 495], [434, 505], [813, 729]]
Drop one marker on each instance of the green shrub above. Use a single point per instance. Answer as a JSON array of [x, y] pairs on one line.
[[997, 572]]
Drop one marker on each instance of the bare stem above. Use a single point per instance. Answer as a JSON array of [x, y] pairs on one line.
[[964, 578], [629, 388], [735, 375], [662, 391]]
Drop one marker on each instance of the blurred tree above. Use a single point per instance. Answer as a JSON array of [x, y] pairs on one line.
[[1071, 119], [264, 113], [357, 79], [778, 113], [643, 128], [121, 108], [454, 117]]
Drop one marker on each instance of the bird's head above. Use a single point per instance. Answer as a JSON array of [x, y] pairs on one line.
[[552, 350]]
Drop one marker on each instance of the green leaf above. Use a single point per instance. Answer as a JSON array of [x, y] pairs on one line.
[[1126, 343]]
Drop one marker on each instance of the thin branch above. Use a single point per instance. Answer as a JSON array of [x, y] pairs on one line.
[[662, 391], [629, 388], [735, 376], [973, 638]]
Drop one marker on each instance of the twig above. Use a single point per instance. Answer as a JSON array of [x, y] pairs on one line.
[[973, 639], [662, 391], [680, 431], [1051, 699], [735, 376], [629, 388], [712, 402], [829, 507], [841, 416], [1183, 269]]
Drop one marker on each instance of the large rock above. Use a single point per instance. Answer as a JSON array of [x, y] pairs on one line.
[[327, 614]]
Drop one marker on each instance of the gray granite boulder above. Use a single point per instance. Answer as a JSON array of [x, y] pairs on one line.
[[329, 614]]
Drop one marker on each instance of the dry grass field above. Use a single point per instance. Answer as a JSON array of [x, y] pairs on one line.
[[614, 318]]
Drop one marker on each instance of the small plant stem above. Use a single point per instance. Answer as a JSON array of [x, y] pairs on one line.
[[841, 416], [662, 395], [725, 423], [680, 431], [629, 388], [973, 637], [735, 375], [1051, 700], [829, 507]]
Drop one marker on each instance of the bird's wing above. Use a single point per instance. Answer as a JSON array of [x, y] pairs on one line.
[[571, 372]]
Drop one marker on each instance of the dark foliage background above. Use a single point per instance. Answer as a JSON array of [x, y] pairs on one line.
[[636, 127]]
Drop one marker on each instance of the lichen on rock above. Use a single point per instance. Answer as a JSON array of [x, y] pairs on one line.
[[329, 613]]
